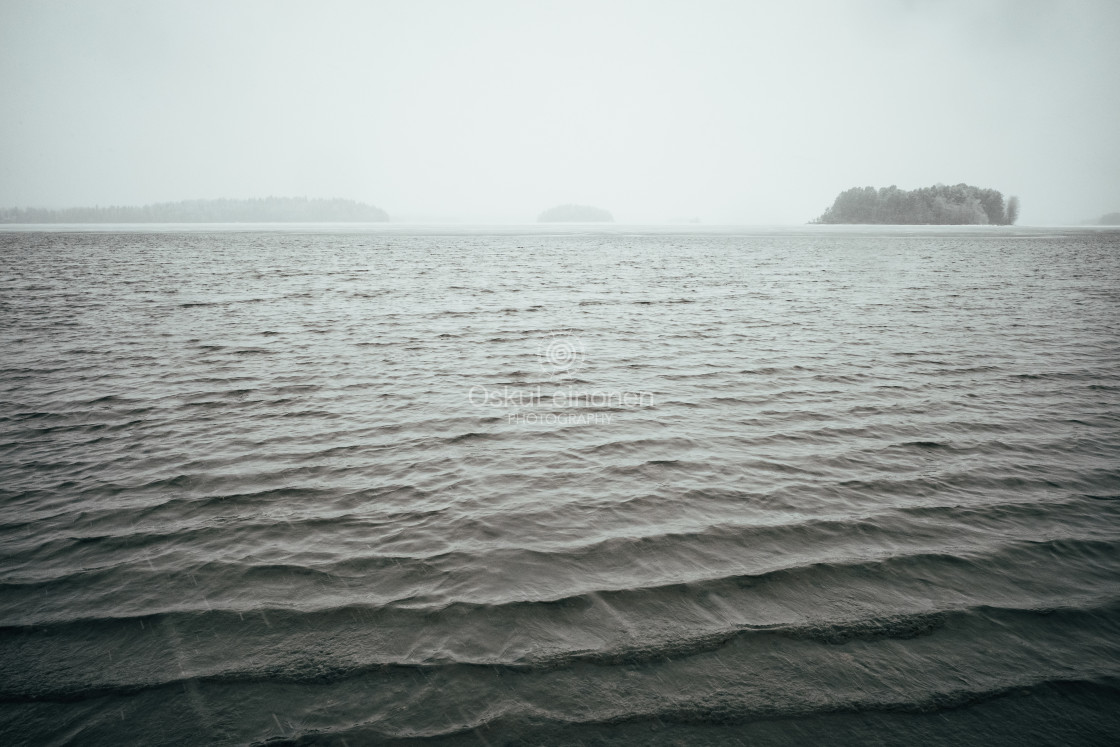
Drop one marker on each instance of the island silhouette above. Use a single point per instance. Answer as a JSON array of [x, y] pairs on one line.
[[960, 204]]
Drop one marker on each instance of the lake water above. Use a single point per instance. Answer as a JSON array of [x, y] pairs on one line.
[[528, 485]]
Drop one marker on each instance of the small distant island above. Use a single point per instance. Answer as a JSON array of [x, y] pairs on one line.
[[961, 204], [263, 210], [1109, 219], [575, 214]]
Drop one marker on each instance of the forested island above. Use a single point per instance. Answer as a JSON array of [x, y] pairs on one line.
[[262, 210], [575, 214], [1109, 219], [961, 204]]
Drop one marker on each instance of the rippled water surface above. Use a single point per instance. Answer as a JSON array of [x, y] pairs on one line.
[[509, 486]]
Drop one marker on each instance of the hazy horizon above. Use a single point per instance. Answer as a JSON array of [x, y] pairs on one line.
[[491, 112]]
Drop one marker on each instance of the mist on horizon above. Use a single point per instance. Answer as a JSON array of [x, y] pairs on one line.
[[495, 111]]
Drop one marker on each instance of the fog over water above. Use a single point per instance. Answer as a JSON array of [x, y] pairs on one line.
[[492, 111], [414, 469]]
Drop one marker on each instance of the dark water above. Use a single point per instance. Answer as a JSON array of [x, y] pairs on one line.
[[809, 486]]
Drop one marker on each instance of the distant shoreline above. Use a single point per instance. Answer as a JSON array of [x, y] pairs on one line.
[[527, 228], [262, 210]]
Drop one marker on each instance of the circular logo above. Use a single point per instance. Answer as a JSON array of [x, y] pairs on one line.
[[560, 355]]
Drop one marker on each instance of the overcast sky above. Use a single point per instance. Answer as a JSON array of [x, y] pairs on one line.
[[733, 112]]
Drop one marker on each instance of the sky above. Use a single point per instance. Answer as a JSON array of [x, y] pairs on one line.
[[490, 111]]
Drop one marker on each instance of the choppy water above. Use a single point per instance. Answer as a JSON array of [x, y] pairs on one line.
[[824, 485]]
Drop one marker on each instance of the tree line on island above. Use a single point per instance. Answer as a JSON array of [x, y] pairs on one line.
[[261, 210], [961, 204]]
